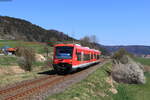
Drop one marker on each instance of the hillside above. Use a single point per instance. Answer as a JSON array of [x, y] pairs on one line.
[[19, 29], [135, 49]]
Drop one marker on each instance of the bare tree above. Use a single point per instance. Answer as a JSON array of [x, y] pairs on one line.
[[93, 39], [85, 39], [26, 58]]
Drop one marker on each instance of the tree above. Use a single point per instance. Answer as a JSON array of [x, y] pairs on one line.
[[26, 58], [92, 42], [119, 54], [93, 39], [85, 39]]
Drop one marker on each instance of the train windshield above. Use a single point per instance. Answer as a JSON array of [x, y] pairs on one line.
[[64, 52]]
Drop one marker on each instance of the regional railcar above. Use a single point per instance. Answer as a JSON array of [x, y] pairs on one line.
[[69, 57]]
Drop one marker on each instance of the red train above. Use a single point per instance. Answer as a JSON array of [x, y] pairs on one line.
[[69, 57]]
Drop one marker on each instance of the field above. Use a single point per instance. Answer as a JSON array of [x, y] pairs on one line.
[[134, 92], [144, 61], [38, 47], [12, 60], [8, 60], [7, 63], [95, 87]]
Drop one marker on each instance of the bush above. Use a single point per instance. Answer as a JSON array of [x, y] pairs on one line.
[[119, 54], [26, 58]]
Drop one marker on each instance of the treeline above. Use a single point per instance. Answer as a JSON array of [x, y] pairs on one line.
[[92, 42]]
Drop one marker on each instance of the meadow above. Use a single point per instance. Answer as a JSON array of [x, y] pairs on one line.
[[37, 46], [144, 61]]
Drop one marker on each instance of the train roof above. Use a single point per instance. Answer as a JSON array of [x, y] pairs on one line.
[[78, 46], [72, 45]]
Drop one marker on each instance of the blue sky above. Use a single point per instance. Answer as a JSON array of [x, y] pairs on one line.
[[114, 22]]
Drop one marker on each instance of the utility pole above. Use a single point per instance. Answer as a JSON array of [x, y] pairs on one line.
[[73, 34]]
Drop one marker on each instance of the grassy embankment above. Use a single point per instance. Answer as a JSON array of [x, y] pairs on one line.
[[135, 92], [92, 88], [7, 62], [95, 87]]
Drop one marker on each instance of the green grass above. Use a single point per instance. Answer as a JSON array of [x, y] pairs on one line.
[[133, 91], [13, 78], [8, 60], [143, 61], [8, 43], [39, 48], [38, 64], [12, 60], [89, 89]]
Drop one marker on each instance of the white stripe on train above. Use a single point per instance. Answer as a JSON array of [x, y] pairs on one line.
[[84, 65]]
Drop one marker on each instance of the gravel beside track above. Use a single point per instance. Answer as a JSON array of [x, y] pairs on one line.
[[40, 88]]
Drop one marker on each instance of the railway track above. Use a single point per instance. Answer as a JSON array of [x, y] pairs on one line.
[[23, 90], [10, 92]]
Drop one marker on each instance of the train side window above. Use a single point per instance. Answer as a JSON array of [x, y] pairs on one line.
[[78, 56], [98, 56], [89, 57], [86, 57], [94, 56]]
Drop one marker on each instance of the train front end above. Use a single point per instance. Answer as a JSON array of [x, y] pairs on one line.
[[62, 60]]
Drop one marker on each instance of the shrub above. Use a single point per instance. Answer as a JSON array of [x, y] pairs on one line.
[[26, 58], [119, 54]]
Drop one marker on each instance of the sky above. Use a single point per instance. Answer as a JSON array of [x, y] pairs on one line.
[[114, 22]]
